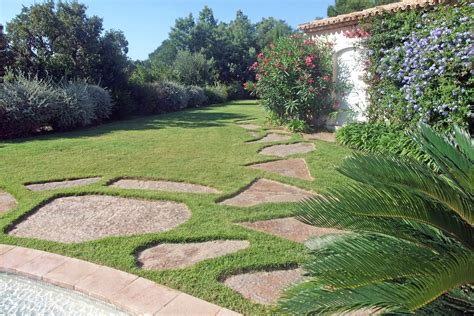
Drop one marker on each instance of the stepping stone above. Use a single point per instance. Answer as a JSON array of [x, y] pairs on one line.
[[62, 184], [325, 136], [296, 168], [167, 186], [81, 218], [264, 287], [289, 228], [182, 255], [279, 131], [287, 150], [267, 191], [272, 138], [251, 127], [7, 202]]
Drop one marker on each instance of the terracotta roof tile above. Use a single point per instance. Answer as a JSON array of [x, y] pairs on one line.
[[354, 17]]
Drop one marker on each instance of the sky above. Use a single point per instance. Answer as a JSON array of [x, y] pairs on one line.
[[146, 23]]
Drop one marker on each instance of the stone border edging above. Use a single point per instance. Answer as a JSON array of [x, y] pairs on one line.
[[126, 291]]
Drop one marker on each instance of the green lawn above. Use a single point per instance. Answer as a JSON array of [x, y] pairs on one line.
[[202, 146]]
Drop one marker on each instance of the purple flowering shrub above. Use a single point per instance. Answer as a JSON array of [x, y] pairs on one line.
[[420, 66]]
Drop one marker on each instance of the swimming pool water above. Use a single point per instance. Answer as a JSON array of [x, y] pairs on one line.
[[23, 296]]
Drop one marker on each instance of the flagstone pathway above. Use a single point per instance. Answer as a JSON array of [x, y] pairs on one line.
[[287, 150], [167, 186], [272, 138], [295, 168], [7, 202], [250, 127], [62, 184]]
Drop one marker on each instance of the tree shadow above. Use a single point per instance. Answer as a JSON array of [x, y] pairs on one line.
[[190, 118]]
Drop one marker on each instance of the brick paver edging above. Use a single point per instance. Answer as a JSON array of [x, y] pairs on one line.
[[129, 292]]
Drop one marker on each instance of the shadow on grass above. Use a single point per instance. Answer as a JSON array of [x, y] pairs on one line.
[[190, 118]]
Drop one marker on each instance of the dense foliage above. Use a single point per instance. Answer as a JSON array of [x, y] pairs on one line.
[[348, 6], [294, 80], [29, 105], [381, 138], [411, 239], [420, 66]]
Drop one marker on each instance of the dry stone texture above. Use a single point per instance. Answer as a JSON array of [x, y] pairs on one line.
[[263, 287], [251, 127], [273, 138], [181, 255], [62, 184], [267, 191], [167, 186], [7, 202], [82, 218], [289, 228], [279, 131], [287, 150], [328, 137], [295, 168]]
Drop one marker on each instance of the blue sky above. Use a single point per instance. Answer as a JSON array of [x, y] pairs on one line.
[[146, 23]]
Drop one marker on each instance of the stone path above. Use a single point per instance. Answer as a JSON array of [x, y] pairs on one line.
[[287, 150], [82, 218], [182, 255], [7, 202], [325, 136], [62, 184], [279, 131], [267, 191], [264, 287], [129, 292], [296, 168], [251, 127], [272, 138], [289, 228], [167, 186]]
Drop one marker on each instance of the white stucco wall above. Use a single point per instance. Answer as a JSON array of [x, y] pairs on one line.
[[348, 56]]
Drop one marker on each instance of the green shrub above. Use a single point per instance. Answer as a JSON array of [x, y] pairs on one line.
[[102, 102], [193, 69], [380, 138], [196, 95], [236, 91], [172, 96], [216, 94]]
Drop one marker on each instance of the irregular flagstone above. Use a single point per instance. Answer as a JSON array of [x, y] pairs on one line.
[[279, 131], [82, 218], [250, 126], [325, 136], [61, 184], [296, 168], [7, 202], [289, 228], [167, 186], [272, 138], [181, 255], [287, 150], [264, 287], [267, 191]]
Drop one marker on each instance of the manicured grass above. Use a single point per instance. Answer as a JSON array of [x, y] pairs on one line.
[[202, 146]]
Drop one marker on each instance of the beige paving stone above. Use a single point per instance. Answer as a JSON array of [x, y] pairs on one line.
[[104, 283], [273, 137], [267, 191], [181, 255], [167, 186], [53, 185], [143, 297], [279, 131], [325, 136], [295, 168], [16, 257], [250, 126], [70, 272], [264, 287], [5, 248], [287, 150], [82, 218], [227, 312], [7, 202], [289, 228], [41, 265], [186, 304]]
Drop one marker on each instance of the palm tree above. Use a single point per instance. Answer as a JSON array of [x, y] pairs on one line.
[[411, 233]]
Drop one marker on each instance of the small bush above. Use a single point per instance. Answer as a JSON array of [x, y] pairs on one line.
[[173, 96], [236, 91], [216, 94], [381, 138], [102, 101], [196, 95]]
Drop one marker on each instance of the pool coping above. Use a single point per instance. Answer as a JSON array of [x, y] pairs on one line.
[[126, 291]]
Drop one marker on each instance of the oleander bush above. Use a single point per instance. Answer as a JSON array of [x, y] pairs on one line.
[[420, 66], [172, 96], [216, 94], [196, 96]]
